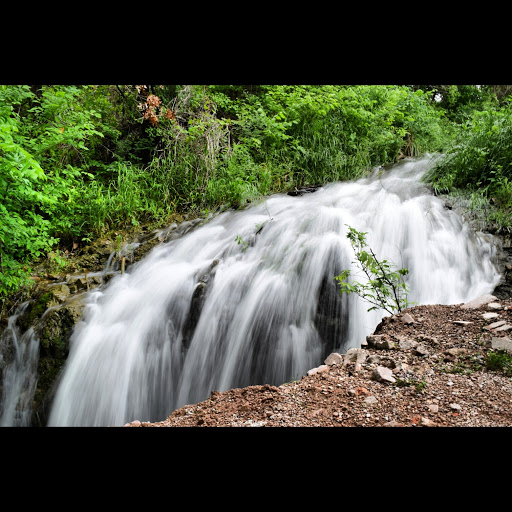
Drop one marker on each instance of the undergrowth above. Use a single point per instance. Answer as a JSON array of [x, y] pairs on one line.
[[78, 161]]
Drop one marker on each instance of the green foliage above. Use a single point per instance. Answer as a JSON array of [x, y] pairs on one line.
[[240, 241], [76, 161], [45, 137], [384, 288], [481, 161], [328, 133], [499, 361], [419, 385]]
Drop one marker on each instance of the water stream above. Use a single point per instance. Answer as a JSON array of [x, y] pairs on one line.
[[19, 354], [249, 298]]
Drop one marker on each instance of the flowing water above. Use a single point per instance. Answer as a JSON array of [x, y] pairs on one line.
[[249, 297], [19, 354]]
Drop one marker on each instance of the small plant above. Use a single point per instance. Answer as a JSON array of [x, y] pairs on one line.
[[419, 385], [499, 361], [60, 261], [385, 288], [240, 241]]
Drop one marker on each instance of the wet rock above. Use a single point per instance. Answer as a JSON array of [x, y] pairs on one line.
[[54, 331], [196, 306], [303, 190], [61, 292]]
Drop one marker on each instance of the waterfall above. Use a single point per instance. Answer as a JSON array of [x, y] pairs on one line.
[[19, 354], [249, 297]]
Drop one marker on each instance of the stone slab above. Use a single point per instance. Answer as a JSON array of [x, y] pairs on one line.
[[479, 302]]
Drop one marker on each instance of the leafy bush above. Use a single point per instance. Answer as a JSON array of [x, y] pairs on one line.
[[499, 361], [78, 160], [44, 140], [384, 288], [480, 161]]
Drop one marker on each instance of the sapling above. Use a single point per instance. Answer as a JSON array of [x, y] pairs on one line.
[[385, 287]]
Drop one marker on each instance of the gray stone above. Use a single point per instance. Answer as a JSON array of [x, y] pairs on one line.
[[383, 374], [321, 368], [407, 318], [505, 327], [355, 355], [334, 358], [479, 302], [455, 351], [495, 325], [61, 292], [407, 344], [380, 341], [488, 316], [496, 306], [504, 343], [421, 350]]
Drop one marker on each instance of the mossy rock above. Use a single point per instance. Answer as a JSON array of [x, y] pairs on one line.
[[56, 327]]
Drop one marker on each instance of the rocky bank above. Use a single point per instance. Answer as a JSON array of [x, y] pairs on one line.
[[431, 366]]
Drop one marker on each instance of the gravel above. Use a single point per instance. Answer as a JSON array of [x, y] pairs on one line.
[[426, 372]]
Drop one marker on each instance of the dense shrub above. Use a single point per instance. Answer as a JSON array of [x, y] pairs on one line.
[[480, 163], [76, 161]]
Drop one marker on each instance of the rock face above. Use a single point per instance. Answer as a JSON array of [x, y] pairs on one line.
[[52, 313], [504, 289], [198, 299]]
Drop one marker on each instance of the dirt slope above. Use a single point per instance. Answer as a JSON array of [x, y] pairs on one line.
[[425, 367]]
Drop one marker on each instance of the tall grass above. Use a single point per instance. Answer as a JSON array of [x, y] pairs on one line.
[[136, 195], [480, 163]]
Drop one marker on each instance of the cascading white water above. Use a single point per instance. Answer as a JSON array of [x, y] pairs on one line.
[[249, 298], [19, 373]]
